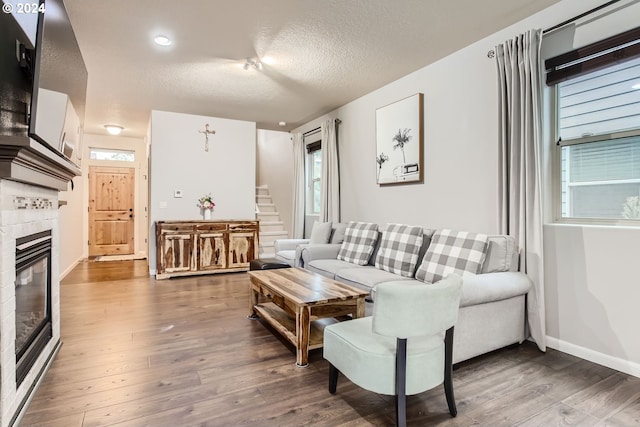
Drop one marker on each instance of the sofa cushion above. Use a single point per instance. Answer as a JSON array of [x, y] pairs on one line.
[[452, 252], [320, 232], [367, 276], [399, 247], [359, 240], [328, 267], [501, 252], [337, 232], [287, 256]]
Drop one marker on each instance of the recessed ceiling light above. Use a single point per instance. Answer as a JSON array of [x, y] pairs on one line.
[[282, 123], [636, 86], [162, 40], [114, 129]]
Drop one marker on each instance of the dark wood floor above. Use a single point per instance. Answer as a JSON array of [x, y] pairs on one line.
[[181, 352]]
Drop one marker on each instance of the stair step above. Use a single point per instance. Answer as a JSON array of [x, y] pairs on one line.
[[266, 250], [271, 236], [266, 207], [262, 190], [272, 226], [262, 199], [268, 216]]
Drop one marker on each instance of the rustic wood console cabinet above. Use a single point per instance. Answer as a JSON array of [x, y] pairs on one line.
[[186, 248]]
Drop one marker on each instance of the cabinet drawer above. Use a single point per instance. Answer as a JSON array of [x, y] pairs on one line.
[[244, 226], [211, 227], [176, 228]]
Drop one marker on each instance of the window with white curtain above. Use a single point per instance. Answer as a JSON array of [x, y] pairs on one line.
[[598, 134], [314, 172]]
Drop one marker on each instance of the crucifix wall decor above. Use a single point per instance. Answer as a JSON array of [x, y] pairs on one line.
[[206, 133]]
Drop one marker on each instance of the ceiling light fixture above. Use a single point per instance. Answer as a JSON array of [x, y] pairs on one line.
[[162, 40], [113, 129], [636, 86], [282, 123], [255, 63]]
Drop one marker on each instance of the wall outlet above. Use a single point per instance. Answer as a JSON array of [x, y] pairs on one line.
[[177, 194]]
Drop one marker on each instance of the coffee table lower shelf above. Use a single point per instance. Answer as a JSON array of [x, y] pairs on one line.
[[286, 325]]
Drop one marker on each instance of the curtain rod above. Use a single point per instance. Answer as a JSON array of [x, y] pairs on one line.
[[316, 130], [582, 15], [492, 52]]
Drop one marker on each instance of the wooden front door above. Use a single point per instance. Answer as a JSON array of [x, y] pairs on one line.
[[111, 216]]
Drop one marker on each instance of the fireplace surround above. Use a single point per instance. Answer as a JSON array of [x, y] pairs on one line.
[[28, 226]]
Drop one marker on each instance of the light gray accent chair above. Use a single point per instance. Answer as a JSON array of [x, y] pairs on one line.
[[405, 348], [290, 250]]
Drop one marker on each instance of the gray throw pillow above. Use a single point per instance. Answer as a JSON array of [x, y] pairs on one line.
[[452, 252], [399, 249], [359, 242], [320, 232], [337, 236]]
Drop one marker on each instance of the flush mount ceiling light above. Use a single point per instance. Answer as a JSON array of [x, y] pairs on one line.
[[282, 123], [162, 40], [255, 63], [113, 129]]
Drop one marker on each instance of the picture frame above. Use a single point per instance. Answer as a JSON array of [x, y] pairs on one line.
[[399, 141]]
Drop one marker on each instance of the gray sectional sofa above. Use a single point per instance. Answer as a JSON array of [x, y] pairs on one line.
[[492, 309]]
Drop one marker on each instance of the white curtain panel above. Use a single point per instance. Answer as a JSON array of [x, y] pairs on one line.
[[330, 177], [520, 198], [298, 186]]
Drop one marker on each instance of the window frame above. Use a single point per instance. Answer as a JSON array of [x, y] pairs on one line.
[[556, 163], [313, 148], [113, 151], [602, 54]]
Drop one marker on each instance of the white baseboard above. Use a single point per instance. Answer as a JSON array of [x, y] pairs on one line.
[[626, 366], [71, 267]]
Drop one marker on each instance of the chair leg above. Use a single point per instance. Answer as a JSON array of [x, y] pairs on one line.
[[333, 378], [401, 382], [448, 372]]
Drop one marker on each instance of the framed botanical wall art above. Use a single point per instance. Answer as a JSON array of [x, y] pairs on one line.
[[399, 141]]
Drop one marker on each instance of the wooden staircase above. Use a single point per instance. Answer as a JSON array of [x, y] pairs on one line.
[[271, 227]]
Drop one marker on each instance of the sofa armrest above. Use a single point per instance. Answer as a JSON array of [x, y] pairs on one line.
[[320, 251], [288, 244], [490, 287]]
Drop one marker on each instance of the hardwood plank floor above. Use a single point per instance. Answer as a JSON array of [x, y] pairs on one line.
[[181, 352]]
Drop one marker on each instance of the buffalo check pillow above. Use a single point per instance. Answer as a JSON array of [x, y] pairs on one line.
[[359, 242], [398, 252], [452, 252]]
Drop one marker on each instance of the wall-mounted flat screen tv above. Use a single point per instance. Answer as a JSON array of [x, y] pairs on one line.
[[59, 82]]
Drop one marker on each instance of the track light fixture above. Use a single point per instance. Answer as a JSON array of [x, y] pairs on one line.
[[255, 63]]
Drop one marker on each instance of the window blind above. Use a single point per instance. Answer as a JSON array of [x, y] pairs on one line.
[[602, 102]]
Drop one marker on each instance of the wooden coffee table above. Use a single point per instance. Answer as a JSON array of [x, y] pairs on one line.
[[293, 300]]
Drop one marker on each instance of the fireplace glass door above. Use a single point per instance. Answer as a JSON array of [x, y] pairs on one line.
[[33, 300]]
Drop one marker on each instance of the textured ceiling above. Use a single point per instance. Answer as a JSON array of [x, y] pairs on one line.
[[322, 54]]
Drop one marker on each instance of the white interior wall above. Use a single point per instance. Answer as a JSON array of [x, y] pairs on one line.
[[179, 162], [72, 241], [274, 160], [460, 190]]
